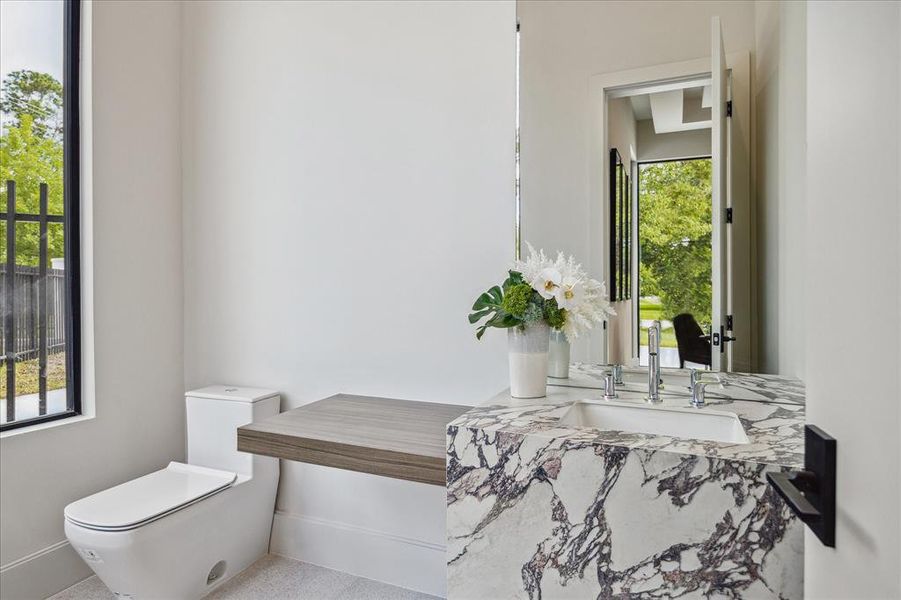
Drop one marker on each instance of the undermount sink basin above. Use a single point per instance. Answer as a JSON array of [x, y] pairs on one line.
[[686, 423]]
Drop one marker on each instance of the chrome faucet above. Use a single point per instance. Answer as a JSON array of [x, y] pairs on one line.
[[617, 372], [697, 394], [654, 363], [698, 387], [694, 378], [610, 387]]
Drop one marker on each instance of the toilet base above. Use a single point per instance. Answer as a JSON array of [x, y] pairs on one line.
[[189, 553]]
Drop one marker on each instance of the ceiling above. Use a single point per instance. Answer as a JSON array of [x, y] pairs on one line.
[[681, 109]]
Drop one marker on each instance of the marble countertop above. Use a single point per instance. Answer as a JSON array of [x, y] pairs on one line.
[[770, 408]]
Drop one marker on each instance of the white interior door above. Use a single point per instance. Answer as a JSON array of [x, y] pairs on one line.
[[719, 159]]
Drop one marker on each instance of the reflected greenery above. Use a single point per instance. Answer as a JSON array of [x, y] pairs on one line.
[[675, 233]]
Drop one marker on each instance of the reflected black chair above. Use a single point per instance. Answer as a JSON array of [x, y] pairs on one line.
[[694, 346]]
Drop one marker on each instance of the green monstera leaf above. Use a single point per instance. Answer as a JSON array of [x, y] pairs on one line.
[[490, 306]]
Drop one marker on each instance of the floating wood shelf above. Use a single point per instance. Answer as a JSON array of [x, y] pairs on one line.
[[403, 439]]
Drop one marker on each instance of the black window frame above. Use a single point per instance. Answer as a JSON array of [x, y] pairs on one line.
[[71, 216]]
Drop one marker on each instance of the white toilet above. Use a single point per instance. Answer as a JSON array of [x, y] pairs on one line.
[[182, 531]]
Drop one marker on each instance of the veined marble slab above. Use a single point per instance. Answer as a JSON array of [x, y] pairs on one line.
[[540, 510]]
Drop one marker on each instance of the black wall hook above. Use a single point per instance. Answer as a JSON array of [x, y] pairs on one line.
[[810, 493]]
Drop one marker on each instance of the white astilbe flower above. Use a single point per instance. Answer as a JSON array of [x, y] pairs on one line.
[[585, 306], [533, 265]]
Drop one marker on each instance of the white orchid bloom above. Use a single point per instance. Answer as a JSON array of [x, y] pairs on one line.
[[569, 294], [547, 282], [583, 298]]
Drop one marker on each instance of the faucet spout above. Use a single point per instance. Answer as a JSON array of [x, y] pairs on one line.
[[654, 363]]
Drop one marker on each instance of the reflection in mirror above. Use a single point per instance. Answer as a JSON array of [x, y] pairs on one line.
[[636, 153]]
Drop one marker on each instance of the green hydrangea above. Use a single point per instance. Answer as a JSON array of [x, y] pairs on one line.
[[516, 299], [555, 315]]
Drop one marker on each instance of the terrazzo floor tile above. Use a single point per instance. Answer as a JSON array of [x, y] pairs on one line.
[[275, 578], [366, 589], [89, 589]]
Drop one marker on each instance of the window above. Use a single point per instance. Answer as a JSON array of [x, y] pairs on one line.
[[39, 184]]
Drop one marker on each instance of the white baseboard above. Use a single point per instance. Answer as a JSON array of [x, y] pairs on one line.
[[400, 561], [42, 573]]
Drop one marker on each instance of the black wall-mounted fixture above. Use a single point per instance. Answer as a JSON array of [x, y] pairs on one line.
[[620, 287], [810, 493]]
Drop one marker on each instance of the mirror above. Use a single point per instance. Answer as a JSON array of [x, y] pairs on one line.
[[635, 154]]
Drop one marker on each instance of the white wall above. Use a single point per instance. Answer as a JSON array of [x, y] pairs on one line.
[[854, 261], [348, 182], [667, 146], [133, 215], [793, 177], [766, 172], [780, 173], [563, 44]]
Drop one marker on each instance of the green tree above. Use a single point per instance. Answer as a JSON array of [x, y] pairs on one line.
[[39, 95], [675, 234], [31, 153]]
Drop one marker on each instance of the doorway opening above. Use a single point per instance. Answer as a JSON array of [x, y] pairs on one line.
[[663, 132], [675, 259]]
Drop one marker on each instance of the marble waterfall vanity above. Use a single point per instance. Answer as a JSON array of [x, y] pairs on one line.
[[538, 508]]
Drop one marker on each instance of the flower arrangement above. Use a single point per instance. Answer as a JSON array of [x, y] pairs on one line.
[[538, 289]]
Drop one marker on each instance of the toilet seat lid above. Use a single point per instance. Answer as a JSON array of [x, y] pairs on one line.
[[147, 498]]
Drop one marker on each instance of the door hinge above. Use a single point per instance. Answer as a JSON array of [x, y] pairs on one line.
[[729, 215], [722, 338], [729, 322], [728, 108]]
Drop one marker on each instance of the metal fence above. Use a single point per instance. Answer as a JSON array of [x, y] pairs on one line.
[[33, 302], [26, 290]]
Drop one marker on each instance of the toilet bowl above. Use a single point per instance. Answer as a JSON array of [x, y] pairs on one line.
[[182, 531]]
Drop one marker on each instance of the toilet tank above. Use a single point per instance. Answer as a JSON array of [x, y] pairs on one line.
[[214, 414]]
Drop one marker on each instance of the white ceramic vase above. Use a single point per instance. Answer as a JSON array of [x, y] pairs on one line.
[[558, 355], [528, 348]]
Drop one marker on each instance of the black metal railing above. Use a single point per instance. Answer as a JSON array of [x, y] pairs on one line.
[[26, 288], [33, 302]]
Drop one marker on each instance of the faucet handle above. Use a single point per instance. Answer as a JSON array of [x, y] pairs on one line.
[[617, 372], [610, 387], [697, 394], [694, 376]]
